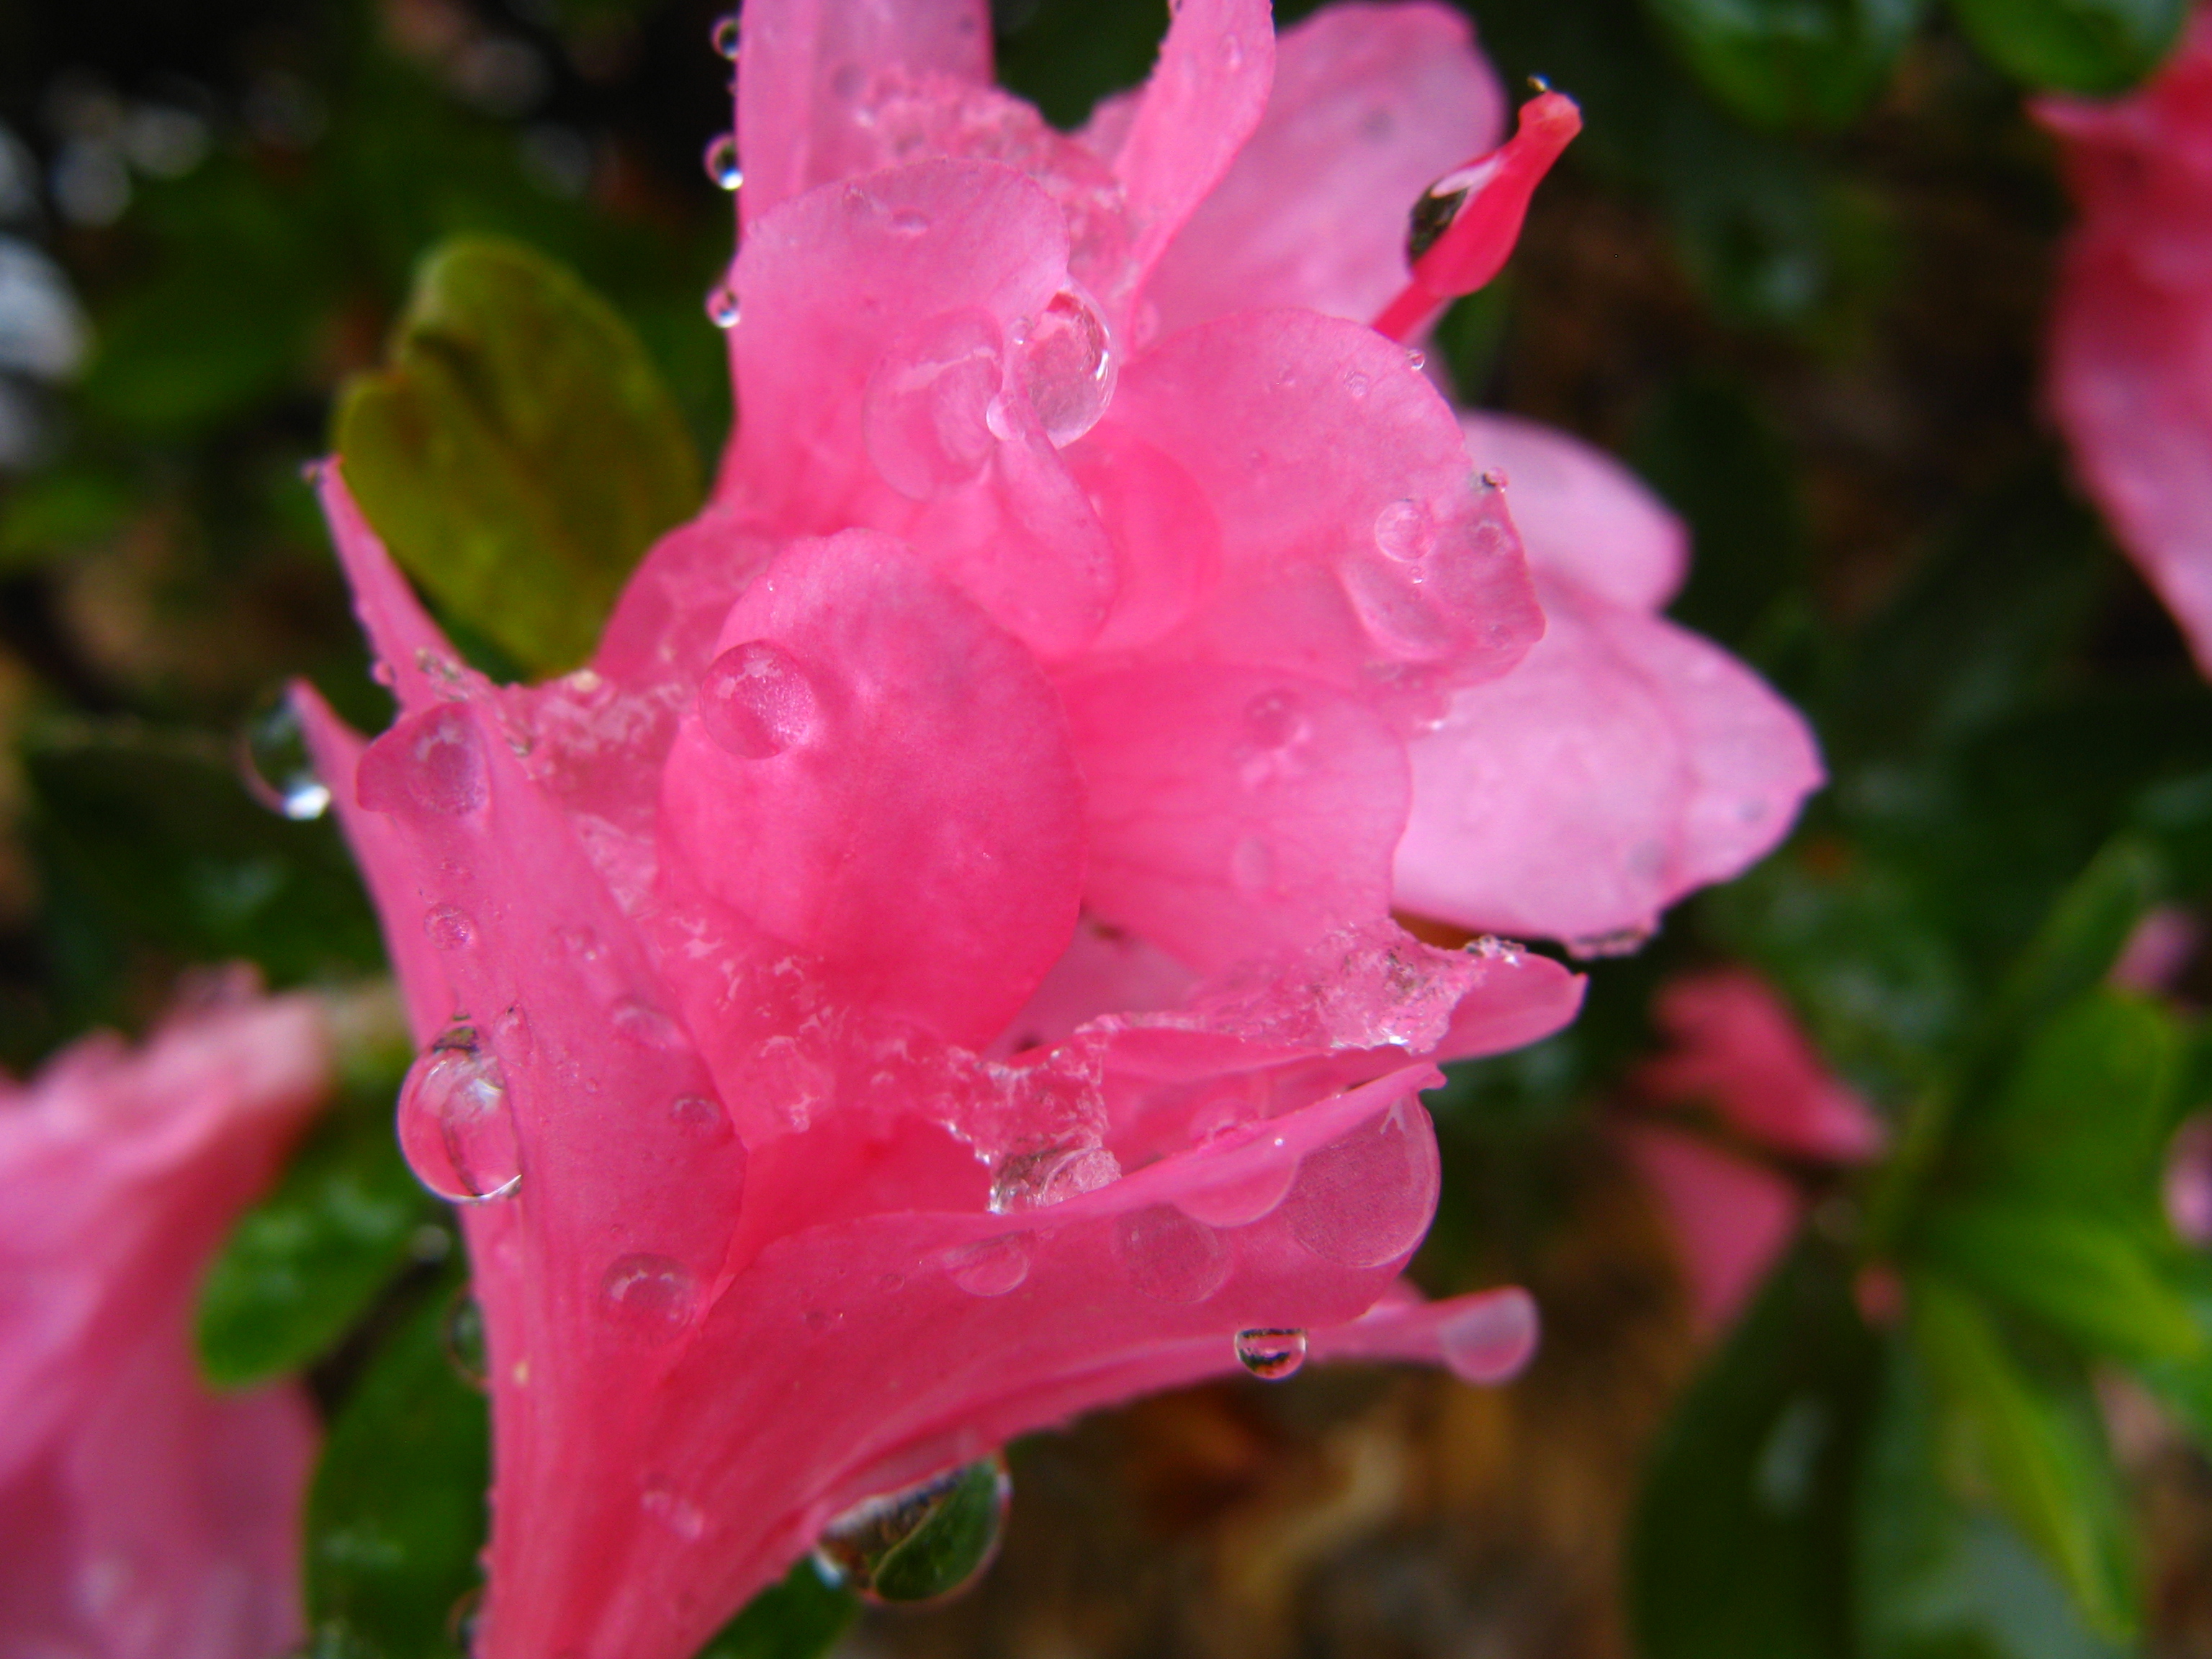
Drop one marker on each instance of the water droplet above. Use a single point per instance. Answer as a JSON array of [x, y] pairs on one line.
[[1491, 1337], [1404, 532], [925, 414], [990, 1267], [1168, 1256], [1252, 867], [448, 928], [273, 761], [1620, 942], [643, 1026], [1398, 615], [721, 161], [1271, 1353], [1439, 205], [909, 222], [466, 1614], [1357, 384], [1243, 1198], [432, 762], [650, 1295], [923, 1543], [464, 1340], [662, 1501], [1038, 1179], [1366, 1198], [702, 1119], [456, 1127], [756, 700], [1416, 359], [727, 36], [1067, 366], [722, 309]]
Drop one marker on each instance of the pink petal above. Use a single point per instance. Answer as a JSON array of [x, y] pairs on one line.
[[1738, 1048], [2162, 944], [1581, 513], [808, 69], [1371, 104], [1233, 812], [1732, 1219], [1625, 764], [1486, 1337], [925, 789]]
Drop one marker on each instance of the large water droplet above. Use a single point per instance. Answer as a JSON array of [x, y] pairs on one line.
[[465, 1339], [923, 1543], [650, 1295], [1271, 1352], [1243, 1198], [1405, 532], [721, 162], [1168, 1256], [1067, 366], [1050, 1175], [1398, 614], [756, 700], [456, 1128], [990, 1267], [432, 762], [1367, 1199], [273, 761], [727, 36], [925, 415]]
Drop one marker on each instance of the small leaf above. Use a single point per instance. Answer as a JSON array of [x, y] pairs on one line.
[[1742, 1534], [2033, 1445], [521, 453], [302, 1266], [1790, 62], [800, 1617], [2093, 46], [396, 1515]]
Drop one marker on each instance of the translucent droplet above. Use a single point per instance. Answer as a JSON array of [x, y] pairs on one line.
[[721, 161], [448, 928], [727, 36], [273, 762], [1367, 1199], [456, 1128], [1491, 1339], [462, 1620], [1404, 532], [429, 763], [925, 414], [662, 1501], [1276, 720], [702, 1119], [1067, 366], [1416, 359], [1243, 1198], [1388, 597], [1168, 1256], [1357, 384], [1050, 1175], [1620, 942], [1252, 867], [756, 700], [1271, 1353], [722, 309], [923, 1543], [642, 1026], [909, 222], [464, 1340], [651, 1295], [990, 1267], [1440, 204]]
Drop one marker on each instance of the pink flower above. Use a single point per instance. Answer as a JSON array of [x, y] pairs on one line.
[[932, 972], [142, 1516], [2130, 373], [1740, 1056]]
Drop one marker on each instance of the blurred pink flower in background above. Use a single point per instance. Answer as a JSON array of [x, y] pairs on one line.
[[933, 973], [2130, 373], [1738, 1056], [142, 1516]]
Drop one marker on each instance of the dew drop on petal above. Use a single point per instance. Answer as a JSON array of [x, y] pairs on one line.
[[662, 1501], [756, 700], [1366, 1198], [456, 1128], [703, 1120], [1242, 1199], [464, 1337], [990, 1267], [909, 222], [429, 763], [925, 413], [1492, 1339], [273, 762], [722, 309], [1168, 1256], [1404, 532], [448, 927], [643, 1026], [1276, 720], [1405, 621], [1038, 1179], [721, 162], [650, 1295], [1067, 366], [727, 37], [922, 1543], [1271, 1352]]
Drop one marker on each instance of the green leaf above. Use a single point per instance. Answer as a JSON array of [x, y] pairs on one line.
[[1790, 62], [2098, 1281], [521, 453], [304, 1265], [396, 1515], [1937, 1577], [2033, 1444], [1742, 1535], [2185, 1385], [2096, 47], [800, 1617]]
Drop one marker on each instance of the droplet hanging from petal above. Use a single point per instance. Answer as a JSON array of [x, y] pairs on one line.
[[923, 1543]]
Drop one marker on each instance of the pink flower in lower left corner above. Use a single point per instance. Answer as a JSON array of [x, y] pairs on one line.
[[142, 1516]]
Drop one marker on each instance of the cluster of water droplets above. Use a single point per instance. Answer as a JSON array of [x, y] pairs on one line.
[[922, 1543]]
